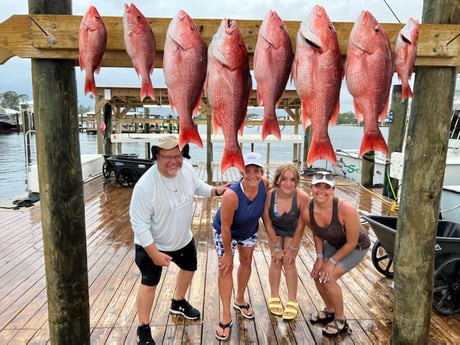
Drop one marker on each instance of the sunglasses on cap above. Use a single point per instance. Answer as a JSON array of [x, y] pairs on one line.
[[320, 176]]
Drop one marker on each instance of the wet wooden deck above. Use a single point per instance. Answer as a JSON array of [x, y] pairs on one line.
[[113, 279]]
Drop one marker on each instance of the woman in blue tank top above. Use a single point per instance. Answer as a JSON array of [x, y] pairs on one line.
[[285, 229], [235, 225]]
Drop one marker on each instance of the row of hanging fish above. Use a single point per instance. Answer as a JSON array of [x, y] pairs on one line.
[[222, 72]]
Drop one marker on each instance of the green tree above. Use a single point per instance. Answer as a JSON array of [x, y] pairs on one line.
[[11, 99]]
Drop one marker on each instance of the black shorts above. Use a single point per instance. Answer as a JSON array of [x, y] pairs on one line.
[[185, 258]]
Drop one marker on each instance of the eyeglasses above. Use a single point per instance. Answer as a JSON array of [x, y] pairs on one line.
[[170, 158], [320, 176]]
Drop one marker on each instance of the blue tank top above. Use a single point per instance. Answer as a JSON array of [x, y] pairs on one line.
[[246, 217]]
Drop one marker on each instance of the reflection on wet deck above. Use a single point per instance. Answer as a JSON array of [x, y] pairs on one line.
[[113, 279]]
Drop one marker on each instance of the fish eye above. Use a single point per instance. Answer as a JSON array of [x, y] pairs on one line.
[[377, 29]]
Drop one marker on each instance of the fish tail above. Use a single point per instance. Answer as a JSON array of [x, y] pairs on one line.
[[189, 135], [406, 92], [270, 126], [147, 89], [232, 158], [90, 85], [373, 141], [321, 149]]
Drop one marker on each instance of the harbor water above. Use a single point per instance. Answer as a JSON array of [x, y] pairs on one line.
[[13, 184]]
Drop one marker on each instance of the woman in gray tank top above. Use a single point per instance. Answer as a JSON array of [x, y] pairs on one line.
[[285, 229], [340, 245]]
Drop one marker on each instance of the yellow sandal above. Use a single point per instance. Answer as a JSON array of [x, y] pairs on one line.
[[275, 306], [291, 310]]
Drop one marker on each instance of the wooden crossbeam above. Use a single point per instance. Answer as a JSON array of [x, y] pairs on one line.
[[56, 37]]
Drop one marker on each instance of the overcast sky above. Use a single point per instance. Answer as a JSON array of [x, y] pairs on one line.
[[15, 74]]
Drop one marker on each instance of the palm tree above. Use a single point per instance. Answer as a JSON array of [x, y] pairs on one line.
[[10, 99]]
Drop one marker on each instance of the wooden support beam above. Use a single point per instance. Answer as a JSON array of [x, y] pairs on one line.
[[56, 37]]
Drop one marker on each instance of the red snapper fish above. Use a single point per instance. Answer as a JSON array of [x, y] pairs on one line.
[[272, 64], [406, 51], [317, 72], [184, 67], [92, 40], [368, 72], [228, 86], [140, 46]]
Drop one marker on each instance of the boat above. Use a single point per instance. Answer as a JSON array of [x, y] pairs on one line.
[[9, 120], [349, 163]]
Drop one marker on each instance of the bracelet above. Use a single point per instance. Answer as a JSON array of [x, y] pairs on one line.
[[319, 256], [278, 249], [331, 259], [276, 244], [293, 248], [217, 192]]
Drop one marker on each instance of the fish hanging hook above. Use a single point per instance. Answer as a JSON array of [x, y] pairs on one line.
[[51, 39], [392, 11], [453, 39]]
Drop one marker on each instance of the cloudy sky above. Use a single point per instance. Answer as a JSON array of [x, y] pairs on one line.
[[15, 74]]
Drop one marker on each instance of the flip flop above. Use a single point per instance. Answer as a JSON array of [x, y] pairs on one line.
[[242, 307], [224, 326]]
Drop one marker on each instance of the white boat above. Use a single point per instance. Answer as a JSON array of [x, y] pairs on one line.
[[349, 163], [9, 120]]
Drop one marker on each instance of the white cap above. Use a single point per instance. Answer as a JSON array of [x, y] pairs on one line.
[[323, 177], [253, 158], [168, 142]]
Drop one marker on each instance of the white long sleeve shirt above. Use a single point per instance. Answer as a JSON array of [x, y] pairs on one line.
[[161, 208]]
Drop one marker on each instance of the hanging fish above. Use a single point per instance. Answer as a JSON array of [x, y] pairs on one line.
[[406, 51], [184, 67], [272, 64], [140, 46], [92, 40], [228, 86], [368, 72], [317, 73]]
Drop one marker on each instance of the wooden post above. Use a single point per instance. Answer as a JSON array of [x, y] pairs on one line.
[[424, 165], [108, 130], [395, 138], [367, 169], [61, 192]]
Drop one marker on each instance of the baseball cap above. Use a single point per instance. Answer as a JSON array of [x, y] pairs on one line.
[[168, 142], [253, 158], [323, 177]]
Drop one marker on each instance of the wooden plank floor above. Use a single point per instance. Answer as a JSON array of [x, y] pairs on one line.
[[113, 279]]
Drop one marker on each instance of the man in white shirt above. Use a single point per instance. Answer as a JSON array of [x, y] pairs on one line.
[[161, 213]]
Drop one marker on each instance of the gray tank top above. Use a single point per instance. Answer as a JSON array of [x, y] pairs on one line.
[[334, 232]]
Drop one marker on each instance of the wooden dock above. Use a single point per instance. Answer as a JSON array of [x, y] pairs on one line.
[[113, 280]]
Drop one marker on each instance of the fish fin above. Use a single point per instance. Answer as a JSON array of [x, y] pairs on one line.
[[197, 105], [232, 159], [190, 135], [321, 150], [270, 126], [147, 89], [90, 85], [373, 141], [335, 114]]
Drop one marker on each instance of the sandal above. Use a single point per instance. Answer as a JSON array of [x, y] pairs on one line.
[[242, 307], [317, 318], [291, 310], [224, 326], [335, 325], [275, 306]]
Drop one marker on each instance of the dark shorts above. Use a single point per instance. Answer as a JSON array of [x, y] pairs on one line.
[[185, 258]]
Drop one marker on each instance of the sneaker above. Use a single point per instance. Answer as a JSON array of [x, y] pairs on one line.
[[144, 335], [182, 307]]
